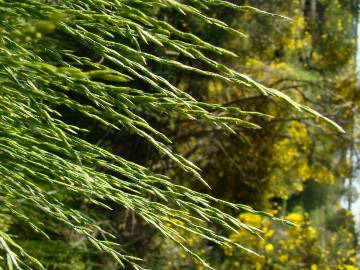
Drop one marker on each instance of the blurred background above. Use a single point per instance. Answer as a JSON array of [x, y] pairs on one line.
[[294, 167]]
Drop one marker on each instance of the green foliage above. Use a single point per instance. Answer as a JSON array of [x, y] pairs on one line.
[[95, 58], [293, 161]]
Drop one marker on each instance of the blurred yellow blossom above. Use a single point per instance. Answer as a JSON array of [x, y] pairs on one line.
[[295, 217], [269, 248], [314, 267]]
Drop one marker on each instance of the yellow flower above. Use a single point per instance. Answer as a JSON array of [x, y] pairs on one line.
[[268, 232], [283, 258], [314, 267], [350, 267], [311, 233], [295, 217], [251, 219], [269, 248]]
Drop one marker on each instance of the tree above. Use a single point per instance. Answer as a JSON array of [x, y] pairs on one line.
[[94, 58], [292, 163]]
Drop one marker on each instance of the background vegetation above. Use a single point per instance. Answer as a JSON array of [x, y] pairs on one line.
[[292, 167], [93, 92]]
